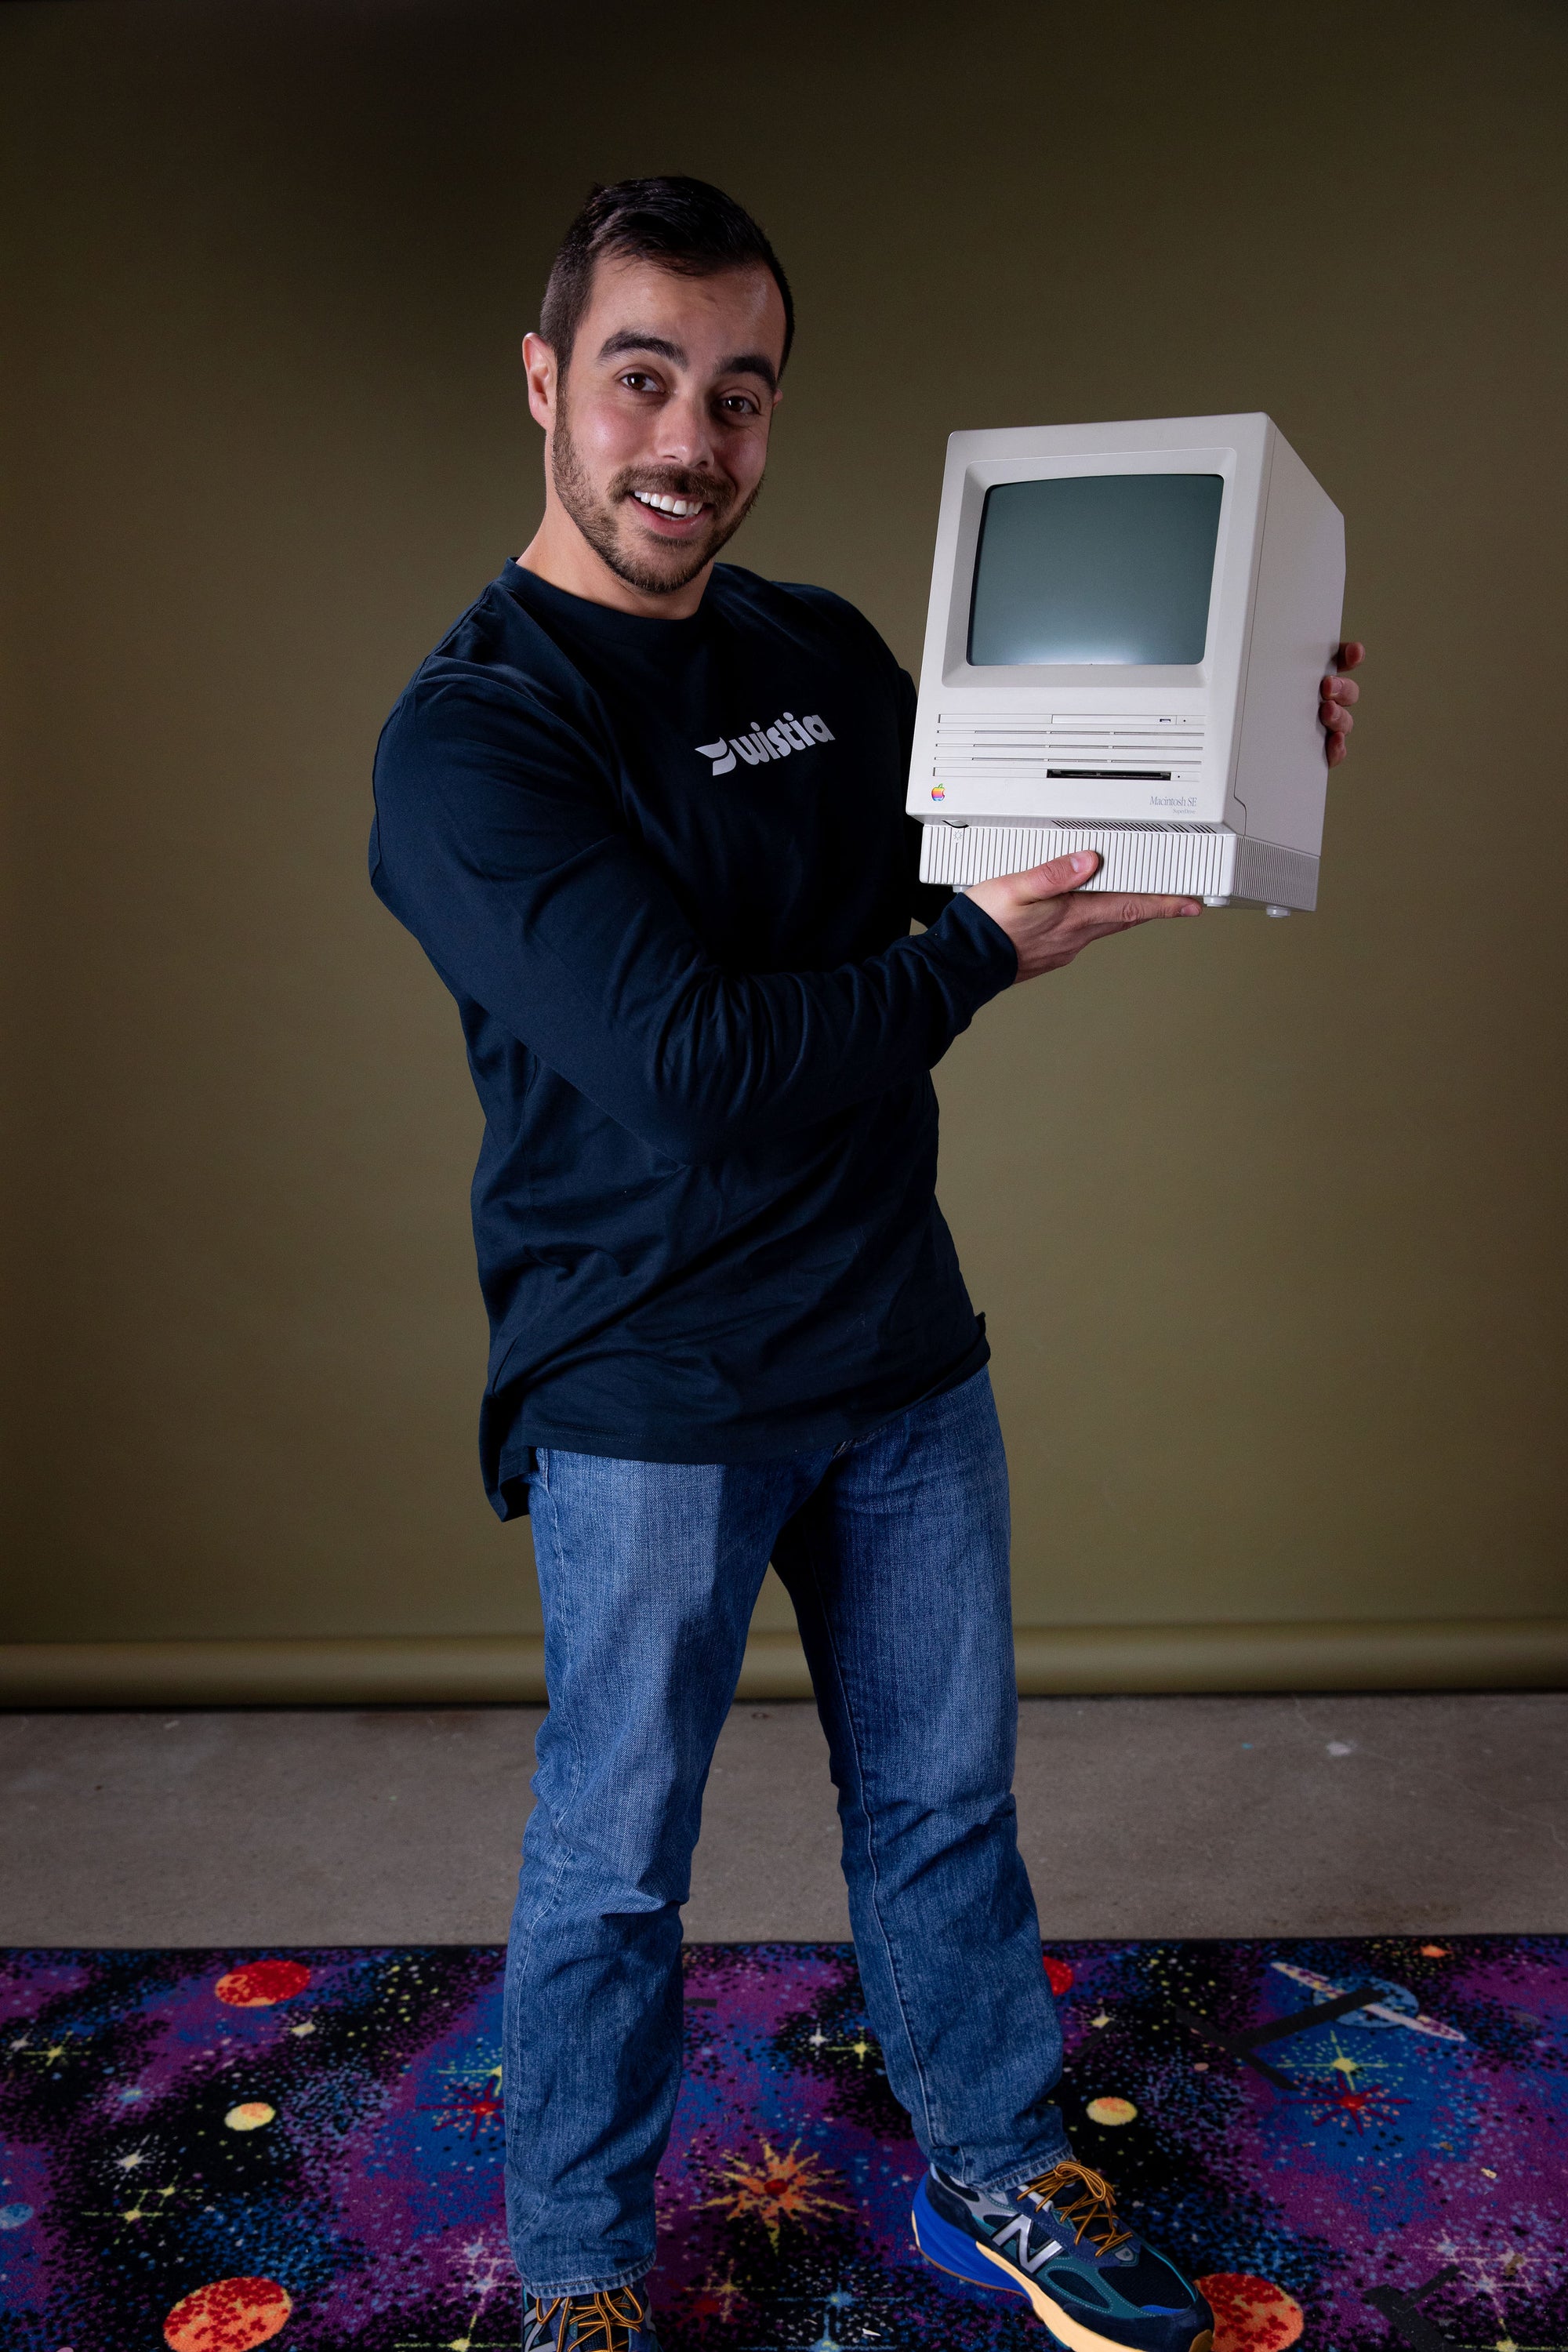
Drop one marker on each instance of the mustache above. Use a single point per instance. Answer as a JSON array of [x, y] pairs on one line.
[[674, 482]]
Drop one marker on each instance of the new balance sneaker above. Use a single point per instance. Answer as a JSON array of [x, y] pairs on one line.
[[618, 2320], [1057, 2241]]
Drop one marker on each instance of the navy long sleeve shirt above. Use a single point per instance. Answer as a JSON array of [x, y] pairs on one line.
[[664, 868]]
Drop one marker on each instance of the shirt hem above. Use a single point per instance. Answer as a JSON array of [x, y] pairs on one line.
[[777, 1443]]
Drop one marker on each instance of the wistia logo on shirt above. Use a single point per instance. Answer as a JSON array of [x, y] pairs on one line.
[[776, 742]]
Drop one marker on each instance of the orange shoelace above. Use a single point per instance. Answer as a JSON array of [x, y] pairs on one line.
[[603, 2323], [1093, 2208]]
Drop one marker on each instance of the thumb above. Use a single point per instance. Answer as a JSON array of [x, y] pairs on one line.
[[1056, 877]]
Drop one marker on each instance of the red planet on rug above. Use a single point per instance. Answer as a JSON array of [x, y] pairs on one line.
[[232, 2315], [260, 1983], [1059, 1975], [1250, 2315]]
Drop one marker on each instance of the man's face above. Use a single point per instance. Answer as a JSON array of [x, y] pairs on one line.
[[657, 433]]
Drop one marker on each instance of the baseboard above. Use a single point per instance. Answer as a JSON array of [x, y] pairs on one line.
[[1430, 1653], [1451, 1654]]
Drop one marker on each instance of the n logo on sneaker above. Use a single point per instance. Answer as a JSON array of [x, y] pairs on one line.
[[1018, 2227]]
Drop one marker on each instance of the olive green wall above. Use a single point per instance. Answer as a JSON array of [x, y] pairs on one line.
[[1267, 1218]]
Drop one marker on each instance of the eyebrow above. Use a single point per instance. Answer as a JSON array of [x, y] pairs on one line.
[[740, 363]]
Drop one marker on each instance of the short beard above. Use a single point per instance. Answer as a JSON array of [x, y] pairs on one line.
[[599, 519]]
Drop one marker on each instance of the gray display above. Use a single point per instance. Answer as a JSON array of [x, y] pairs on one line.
[[1095, 568]]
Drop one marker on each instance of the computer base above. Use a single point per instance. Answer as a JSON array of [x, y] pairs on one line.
[[1222, 867]]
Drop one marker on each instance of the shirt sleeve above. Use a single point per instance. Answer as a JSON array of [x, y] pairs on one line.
[[498, 844]]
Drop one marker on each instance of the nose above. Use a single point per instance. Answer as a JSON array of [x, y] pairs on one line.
[[685, 433]]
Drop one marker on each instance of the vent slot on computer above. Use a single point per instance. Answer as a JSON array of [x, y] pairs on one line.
[[1157, 750], [1133, 857]]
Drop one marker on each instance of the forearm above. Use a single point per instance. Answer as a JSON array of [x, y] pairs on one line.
[[694, 1060], [742, 1059]]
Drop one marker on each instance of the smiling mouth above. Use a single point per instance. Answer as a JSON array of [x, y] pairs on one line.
[[671, 516]]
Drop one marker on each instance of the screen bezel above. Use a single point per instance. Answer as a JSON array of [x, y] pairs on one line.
[[983, 474]]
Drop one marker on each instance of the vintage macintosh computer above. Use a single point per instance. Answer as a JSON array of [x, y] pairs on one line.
[[1128, 625]]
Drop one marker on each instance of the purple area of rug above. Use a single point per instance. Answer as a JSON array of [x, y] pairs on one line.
[[343, 2141]]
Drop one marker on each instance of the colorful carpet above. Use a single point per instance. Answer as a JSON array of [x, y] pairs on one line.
[[205, 2151]]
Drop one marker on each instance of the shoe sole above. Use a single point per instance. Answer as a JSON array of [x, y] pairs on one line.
[[948, 2248]]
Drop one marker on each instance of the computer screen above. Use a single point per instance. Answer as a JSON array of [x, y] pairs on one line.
[[1112, 568]]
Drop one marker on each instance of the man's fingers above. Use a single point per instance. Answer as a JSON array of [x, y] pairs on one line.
[[1336, 693], [1083, 916], [1148, 909], [1116, 911], [1107, 910]]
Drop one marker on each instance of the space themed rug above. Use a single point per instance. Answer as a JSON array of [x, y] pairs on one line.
[[1351, 2144]]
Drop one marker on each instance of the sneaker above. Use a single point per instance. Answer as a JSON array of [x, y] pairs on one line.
[[617, 2320], [1058, 2241]]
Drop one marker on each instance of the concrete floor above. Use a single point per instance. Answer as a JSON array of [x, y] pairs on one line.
[[1139, 1817]]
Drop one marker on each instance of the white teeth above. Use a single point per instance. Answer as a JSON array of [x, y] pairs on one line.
[[679, 508]]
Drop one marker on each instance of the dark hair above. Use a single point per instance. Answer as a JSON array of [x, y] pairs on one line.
[[683, 225]]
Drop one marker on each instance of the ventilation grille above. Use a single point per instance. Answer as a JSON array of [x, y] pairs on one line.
[[1133, 857], [1279, 877], [1018, 750]]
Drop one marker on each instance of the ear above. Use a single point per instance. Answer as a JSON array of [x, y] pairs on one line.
[[539, 367]]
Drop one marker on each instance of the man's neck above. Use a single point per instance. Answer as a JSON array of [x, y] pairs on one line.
[[559, 552]]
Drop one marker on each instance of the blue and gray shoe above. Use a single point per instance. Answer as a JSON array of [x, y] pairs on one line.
[[1057, 2241], [618, 2320]]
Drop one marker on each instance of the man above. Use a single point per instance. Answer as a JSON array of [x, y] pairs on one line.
[[728, 1321]]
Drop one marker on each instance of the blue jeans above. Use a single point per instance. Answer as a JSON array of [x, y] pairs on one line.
[[894, 1550]]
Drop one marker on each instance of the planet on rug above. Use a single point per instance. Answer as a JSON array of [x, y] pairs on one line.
[[1250, 2315], [262, 1983], [232, 2315], [1422, 2162]]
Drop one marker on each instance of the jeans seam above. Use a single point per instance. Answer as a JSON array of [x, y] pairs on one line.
[[829, 1638], [559, 1872]]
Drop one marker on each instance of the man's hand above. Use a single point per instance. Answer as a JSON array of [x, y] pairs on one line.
[[1047, 918], [1336, 696]]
